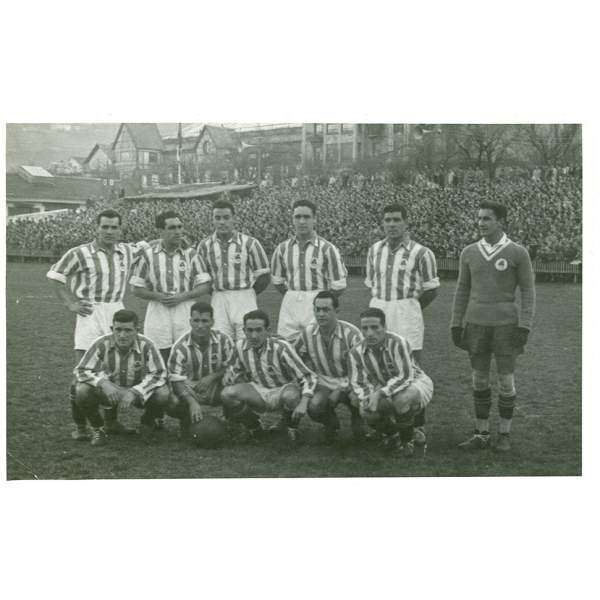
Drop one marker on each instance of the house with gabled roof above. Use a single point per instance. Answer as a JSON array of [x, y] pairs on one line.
[[139, 154], [99, 160]]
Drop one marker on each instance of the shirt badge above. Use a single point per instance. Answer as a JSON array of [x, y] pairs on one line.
[[214, 358], [137, 365], [314, 264], [403, 263], [237, 258], [501, 264], [182, 265]]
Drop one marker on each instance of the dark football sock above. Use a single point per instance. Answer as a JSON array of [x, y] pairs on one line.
[[406, 426], [420, 418]]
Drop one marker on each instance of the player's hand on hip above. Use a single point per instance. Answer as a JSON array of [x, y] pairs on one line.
[[83, 308], [457, 337], [520, 337]]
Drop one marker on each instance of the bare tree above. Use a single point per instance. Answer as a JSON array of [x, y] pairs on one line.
[[553, 144], [485, 146]]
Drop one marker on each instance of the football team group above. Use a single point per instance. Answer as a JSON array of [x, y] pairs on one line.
[[197, 353]]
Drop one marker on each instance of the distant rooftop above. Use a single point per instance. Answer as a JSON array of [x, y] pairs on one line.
[[35, 171]]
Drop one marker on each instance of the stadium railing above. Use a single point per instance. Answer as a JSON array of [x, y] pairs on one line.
[[355, 264], [450, 265]]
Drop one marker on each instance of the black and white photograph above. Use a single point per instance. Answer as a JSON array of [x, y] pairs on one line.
[[295, 303], [293, 299]]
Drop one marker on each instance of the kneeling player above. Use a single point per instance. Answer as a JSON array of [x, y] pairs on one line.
[[277, 379], [324, 346], [197, 363], [389, 386], [122, 368]]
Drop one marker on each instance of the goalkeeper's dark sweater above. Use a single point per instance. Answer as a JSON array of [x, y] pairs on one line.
[[485, 291]]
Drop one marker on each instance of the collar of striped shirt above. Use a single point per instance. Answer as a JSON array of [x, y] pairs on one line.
[[315, 240], [264, 348], [96, 248], [135, 346], [336, 332], [379, 347], [212, 337], [236, 238], [406, 242], [160, 248]]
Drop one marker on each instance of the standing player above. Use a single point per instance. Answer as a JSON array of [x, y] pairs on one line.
[[277, 379], [324, 347], [301, 267], [490, 271], [402, 275], [91, 280], [389, 386], [170, 278], [197, 364], [238, 267], [122, 368]]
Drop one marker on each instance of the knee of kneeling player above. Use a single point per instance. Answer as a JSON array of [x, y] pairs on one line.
[[370, 418], [230, 397], [506, 384], [84, 394], [161, 397], [290, 397], [316, 408], [406, 400]]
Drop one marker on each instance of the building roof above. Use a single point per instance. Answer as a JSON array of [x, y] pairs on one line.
[[222, 137], [106, 148], [188, 143], [34, 171], [192, 191], [144, 135], [53, 188]]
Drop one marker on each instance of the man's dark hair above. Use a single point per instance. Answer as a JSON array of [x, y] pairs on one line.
[[125, 316], [498, 209], [161, 219], [306, 203], [109, 213], [224, 204], [373, 312], [390, 208], [201, 308], [324, 295], [257, 314]]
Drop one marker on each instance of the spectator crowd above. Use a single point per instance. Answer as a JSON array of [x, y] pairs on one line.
[[544, 216]]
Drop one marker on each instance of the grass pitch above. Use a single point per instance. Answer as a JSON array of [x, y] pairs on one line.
[[546, 429]]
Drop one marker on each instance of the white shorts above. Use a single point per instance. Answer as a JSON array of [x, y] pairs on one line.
[[296, 313], [403, 317], [229, 307], [271, 396], [88, 329], [422, 384], [164, 325], [333, 383]]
